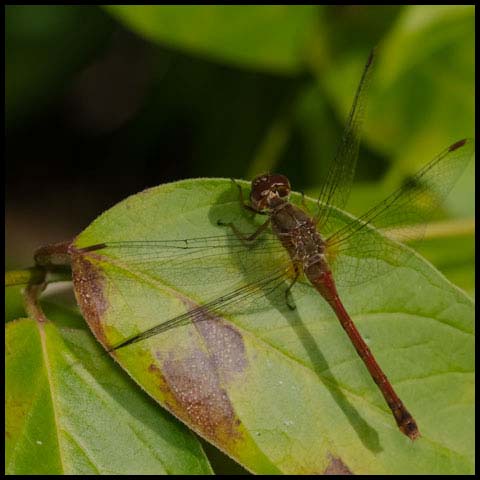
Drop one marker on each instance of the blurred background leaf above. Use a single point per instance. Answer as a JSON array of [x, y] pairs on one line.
[[264, 37]]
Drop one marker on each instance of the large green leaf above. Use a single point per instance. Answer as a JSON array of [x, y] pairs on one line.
[[276, 389], [266, 37], [70, 410]]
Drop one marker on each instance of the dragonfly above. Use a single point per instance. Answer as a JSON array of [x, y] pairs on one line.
[[317, 248]]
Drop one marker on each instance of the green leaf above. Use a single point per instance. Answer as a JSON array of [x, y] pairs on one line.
[[266, 37], [14, 303], [70, 410], [454, 256], [280, 391]]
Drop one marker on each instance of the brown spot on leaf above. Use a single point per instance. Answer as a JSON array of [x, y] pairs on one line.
[[194, 381], [336, 467], [195, 384], [88, 285], [225, 346], [197, 399]]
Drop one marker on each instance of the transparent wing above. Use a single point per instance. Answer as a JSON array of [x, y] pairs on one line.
[[407, 210], [270, 288], [203, 260], [336, 188], [217, 276]]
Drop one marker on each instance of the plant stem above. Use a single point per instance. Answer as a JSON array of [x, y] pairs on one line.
[[32, 307], [32, 275]]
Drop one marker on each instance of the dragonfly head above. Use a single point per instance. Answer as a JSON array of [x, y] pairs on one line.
[[268, 191]]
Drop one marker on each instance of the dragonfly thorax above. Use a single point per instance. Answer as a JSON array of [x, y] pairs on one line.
[[298, 234]]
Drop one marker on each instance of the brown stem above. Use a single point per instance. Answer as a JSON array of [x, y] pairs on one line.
[[32, 306]]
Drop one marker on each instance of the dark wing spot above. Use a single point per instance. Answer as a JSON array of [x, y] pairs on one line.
[[456, 145]]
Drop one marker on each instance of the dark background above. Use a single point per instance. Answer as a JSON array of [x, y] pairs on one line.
[[104, 102]]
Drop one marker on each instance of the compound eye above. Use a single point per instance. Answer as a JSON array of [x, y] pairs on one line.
[[266, 187], [280, 185]]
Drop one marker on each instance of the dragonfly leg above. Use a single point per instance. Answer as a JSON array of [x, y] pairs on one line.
[[245, 239], [288, 292], [304, 203]]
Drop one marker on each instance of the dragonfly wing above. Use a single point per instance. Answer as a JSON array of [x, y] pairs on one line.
[[261, 293], [203, 260], [402, 215], [336, 189], [365, 256], [158, 285]]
